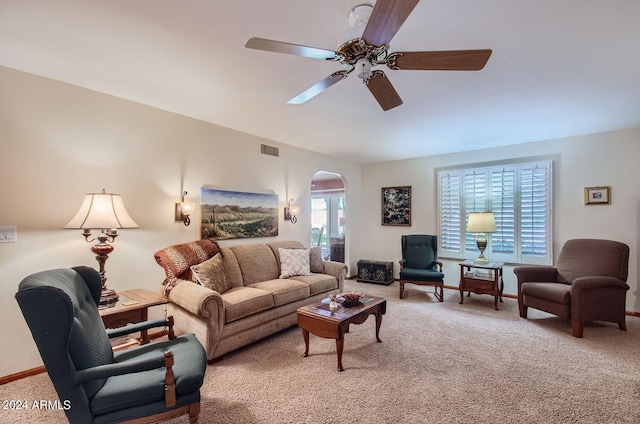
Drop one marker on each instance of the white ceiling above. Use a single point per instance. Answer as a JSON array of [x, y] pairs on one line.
[[558, 68]]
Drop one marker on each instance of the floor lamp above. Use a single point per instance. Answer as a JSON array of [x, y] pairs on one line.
[[104, 212], [481, 223]]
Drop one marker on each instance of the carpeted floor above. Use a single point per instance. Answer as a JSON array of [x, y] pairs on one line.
[[438, 363]]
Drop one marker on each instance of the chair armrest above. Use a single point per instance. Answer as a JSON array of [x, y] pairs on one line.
[[538, 274], [596, 282], [199, 300], [134, 328], [119, 368], [439, 263], [402, 262]]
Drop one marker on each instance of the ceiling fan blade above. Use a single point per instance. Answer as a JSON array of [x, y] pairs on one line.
[[386, 19], [318, 88], [383, 91], [288, 48], [452, 60]]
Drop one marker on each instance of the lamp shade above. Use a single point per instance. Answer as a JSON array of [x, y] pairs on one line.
[[481, 222], [187, 208], [102, 210]]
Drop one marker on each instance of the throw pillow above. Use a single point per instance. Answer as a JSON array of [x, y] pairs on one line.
[[294, 262], [315, 259], [211, 274]]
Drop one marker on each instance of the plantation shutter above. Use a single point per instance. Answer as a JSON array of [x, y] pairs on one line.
[[475, 200], [534, 216], [450, 213], [519, 195], [503, 190]]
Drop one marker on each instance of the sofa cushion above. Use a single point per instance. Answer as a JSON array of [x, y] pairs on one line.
[[177, 260], [294, 262], [315, 260], [240, 302], [317, 283], [257, 263], [211, 274], [284, 291]]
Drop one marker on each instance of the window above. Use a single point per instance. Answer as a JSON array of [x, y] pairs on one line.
[[519, 195], [327, 219]]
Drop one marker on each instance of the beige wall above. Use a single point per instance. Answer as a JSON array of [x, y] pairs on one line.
[[58, 142], [606, 159]]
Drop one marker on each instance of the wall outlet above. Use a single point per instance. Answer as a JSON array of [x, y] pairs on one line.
[[8, 234]]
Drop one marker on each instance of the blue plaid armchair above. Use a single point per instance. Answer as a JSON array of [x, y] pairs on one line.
[[157, 380]]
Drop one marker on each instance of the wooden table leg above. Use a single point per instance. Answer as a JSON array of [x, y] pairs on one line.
[[378, 324], [305, 335], [339, 347]]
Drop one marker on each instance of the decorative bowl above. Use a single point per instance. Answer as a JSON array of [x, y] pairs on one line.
[[351, 298]]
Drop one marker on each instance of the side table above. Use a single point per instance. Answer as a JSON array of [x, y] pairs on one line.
[[487, 282], [132, 307]]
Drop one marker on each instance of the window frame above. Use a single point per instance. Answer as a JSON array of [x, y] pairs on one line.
[[463, 190]]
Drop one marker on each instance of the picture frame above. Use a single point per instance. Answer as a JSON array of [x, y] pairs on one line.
[[396, 206], [234, 214], [597, 195]]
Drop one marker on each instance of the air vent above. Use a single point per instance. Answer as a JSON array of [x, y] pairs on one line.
[[269, 150]]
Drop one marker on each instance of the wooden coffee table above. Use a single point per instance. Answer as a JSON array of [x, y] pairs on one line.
[[318, 320]]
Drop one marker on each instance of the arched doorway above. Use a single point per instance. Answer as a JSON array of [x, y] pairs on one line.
[[328, 215]]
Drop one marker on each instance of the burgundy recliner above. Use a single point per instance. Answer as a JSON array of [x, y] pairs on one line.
[[587, 284]]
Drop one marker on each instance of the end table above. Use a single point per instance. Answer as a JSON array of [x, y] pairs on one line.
[[487, 282], [132, 307]]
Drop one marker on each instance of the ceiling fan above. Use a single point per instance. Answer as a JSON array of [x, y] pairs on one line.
[[362, 52]]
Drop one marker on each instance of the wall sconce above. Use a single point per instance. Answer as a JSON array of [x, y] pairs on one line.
[[184, 210], [291, 212]]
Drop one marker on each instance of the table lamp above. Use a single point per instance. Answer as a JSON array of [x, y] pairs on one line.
[[104, 212], [481, 223]]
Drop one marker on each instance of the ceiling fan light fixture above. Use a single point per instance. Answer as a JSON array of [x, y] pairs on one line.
[[358, 18], [363, 69], [359, 15]]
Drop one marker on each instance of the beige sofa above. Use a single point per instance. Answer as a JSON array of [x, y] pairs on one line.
[[259, 303]]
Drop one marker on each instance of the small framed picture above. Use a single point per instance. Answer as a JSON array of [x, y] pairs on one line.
[[396, 205], [597, 195]]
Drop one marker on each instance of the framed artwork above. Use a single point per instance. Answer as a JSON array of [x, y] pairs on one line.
[[597, 195], [396, 205], [236, 214]]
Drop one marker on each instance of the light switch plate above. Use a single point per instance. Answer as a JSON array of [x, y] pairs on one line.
[[8, 234]]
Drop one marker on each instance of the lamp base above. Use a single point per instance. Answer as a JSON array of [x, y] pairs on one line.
[[482, 244], [108, 298]]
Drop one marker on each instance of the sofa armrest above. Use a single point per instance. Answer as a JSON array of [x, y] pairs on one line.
[[337, 270], [199, 300]]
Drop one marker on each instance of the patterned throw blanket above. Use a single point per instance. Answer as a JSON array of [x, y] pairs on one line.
[[177, 260]]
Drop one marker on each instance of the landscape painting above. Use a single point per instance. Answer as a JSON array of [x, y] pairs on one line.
[[235, 214]]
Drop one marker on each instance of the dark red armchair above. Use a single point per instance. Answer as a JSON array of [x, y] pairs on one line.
[[587, 284]]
